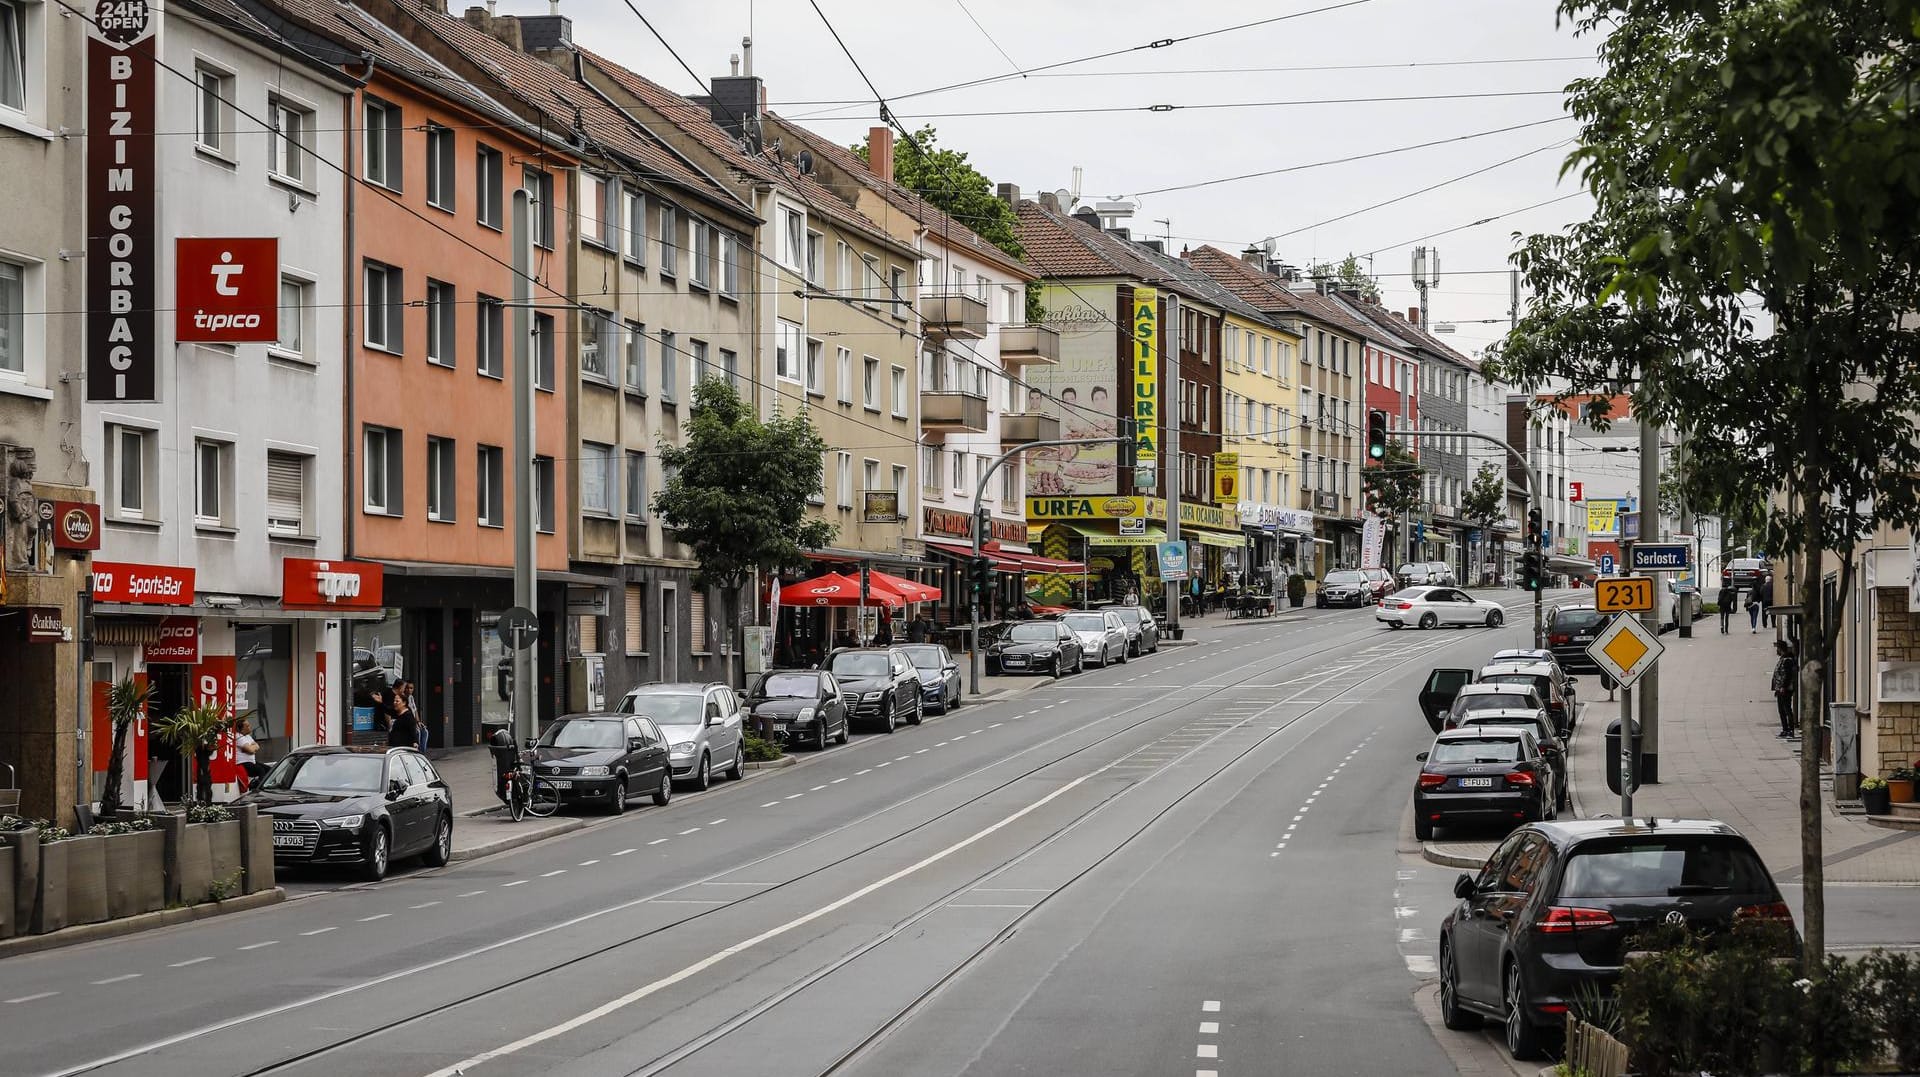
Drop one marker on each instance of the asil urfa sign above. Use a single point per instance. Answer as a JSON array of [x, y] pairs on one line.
[[1146, 376], [122, 343]]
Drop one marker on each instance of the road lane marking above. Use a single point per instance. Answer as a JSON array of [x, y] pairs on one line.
[[258, 945], [1206, 1050], [718, 821], [34, 998], [922, 751], [688, 972], [117, 979], [473, 893], [303, 934], [1209, 1028], [902, 758], [1209, 1007], [1422, 965], [424, 905], [624, 852], [551, 874], [375, 916], [982, 905], [689, 830], [588, 863], [888, 763], [796, 796], [771, 804], [516, 882], [837, 781], [857, 773]]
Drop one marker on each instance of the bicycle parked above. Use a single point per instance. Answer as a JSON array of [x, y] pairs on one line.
[[529, 794]]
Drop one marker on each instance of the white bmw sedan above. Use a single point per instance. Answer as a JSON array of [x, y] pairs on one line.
[[1430, 607]]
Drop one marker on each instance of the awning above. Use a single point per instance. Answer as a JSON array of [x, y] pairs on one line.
[[1215, 538], [1004, 561], [1153, 537], [1035, 563]]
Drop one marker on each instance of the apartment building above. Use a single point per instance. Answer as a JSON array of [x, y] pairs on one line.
[[1258, 363]]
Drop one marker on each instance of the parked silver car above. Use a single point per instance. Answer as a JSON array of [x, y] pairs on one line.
[[1102, 634], [702, 723], [1143, 632]]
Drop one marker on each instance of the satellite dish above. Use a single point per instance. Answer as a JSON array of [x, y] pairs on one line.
[[1269, 245], [1064, 199], [805, 161]]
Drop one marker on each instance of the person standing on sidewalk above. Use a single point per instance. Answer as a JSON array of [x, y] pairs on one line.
[[1726, 600], [1763, 595], [1786, 675]]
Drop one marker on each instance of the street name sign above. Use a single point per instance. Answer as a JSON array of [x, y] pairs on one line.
[[1661, 557], [1625, 649], [1623, 594]]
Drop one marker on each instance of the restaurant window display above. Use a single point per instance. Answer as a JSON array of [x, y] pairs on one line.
[[263, 684]]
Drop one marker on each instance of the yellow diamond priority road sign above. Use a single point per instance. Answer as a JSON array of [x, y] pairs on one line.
[[1625, 649]]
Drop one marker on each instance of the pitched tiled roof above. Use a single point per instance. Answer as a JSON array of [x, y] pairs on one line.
[[697, 120], [936, 221], [1416, 336], [1062, 245], [1270, 294]]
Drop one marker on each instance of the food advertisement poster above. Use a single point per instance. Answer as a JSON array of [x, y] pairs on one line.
[[1080, 392]]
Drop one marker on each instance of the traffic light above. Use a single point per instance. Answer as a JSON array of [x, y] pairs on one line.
[[1533, 571], [1129, 446], [1376, 435], [1533, 528], [982, 572]]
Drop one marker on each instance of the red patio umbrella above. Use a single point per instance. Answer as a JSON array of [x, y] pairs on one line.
[[905, 588], [833, 589]]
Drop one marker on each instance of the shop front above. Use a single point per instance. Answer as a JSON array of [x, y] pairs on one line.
[[1114, 539]]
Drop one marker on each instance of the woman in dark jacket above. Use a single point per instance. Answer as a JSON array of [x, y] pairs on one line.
[[403, 725], [1726, 599]]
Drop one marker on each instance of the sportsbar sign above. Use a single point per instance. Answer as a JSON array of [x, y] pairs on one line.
[[122, 342], [145, 585]]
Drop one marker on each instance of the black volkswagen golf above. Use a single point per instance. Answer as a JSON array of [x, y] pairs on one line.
[[1559, 904], [356, 805], [604, 758]]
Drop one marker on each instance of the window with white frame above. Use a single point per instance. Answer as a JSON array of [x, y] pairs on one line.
[[286, 493], [386, 307], [383, 478], [843, 281], [610, 229], [213, 129], [843, 373], [669, 241], [730, 367], [442, 180], [789, 350], [1010, 490], [212, 475], [959, 472], [539, 187], [489, 336], [290, 129], [597, 483], [930, 468], [900, 488], [793, 231], [634, 243], [701, 271], [382, 123], [869, 277], [843, 480], [600, 343], [636, 358], [813, 373], [20, 287], [816, 244], [441, 311], [545, 348], [729, 265], [21, 55], [489, 186], [489, 486], [897, 285], [669, 365], [636, 485], [870, 382], [899, 392], [295, 303], [869, 477], [440, 479], [543, 492], [698, 350]]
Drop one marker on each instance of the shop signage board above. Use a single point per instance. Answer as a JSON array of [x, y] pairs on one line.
[[311, 584], [320, 697], [76, 525], [1625, 649], [1603, 517], [44, 625], [179, 642], [147, 585], [879, 506], [226, 291], [1373, 537], [1173, 560], [122, 256], [1133, 525], [1146, 375], [1192, 514], [1226, 479]]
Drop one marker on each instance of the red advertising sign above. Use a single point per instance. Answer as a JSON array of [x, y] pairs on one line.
[[324, 585], [76, 525], [122, 259], [320, 697], [213, 681], [226, 291], [147, 585], [179, 642]]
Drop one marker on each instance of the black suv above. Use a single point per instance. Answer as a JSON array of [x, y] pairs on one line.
[[1559, 905], [356, 805], [1569, 630], [879, 685]]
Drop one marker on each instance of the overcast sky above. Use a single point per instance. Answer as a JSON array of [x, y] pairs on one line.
[[912, 45]]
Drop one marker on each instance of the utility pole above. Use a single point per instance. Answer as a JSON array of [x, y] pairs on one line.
[[1651, 530], [1684, 615], [1406, 521], [526, 507], [1170, 330]]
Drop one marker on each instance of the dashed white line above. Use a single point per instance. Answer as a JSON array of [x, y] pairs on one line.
[[424, 905], [902, 758], [556, 871], [689, 830], [796, 796], [837, 781], [623, 852], [117, 979], [922, 751], [657, 841], [516, 882], [857, 773], [303, 934], [1206, 1050], [995, 725], [473, 893], [1210, 1007], [816, 789], [588, 863], [771, 804], [33, 998], [942, 744], [375, 916], [888, 763], [258, 945], [718, 821], [1208, 1028]]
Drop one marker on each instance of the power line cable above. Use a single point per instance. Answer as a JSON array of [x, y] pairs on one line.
[[1205, 106], [1473, 224], [1424, 190], [962, 5]]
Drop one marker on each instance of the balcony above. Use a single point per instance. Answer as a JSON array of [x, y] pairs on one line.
[[1026, 429], [960, 412], [1026, 345], [956, 317]]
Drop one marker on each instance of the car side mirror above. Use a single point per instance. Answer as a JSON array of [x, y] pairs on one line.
[[395, 788], [1422, 757], [1463, 887], [739, 697], [634, 744], [530, 742]]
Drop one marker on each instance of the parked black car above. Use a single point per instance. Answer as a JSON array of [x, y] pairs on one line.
[[1437, 694], [1552, 686], [604, 758], [878, 685], [1345, 589], [1557, 905], [804, 704], [1037, 647], [356, 805], [939, 675], [1487, 776], [1569, 630]]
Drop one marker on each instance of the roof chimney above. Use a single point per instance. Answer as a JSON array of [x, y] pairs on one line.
[[1254, 255], [880, 153], [1413, 315], [545, 32], [1048, 202], [1085, 215], [1010, 194]]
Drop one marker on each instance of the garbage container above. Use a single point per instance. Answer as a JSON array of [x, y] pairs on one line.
[[1613, 756]]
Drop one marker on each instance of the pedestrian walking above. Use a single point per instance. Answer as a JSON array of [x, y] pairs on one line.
[[1753, 610], [421, 731], [1763, 592], [919, 630], [1786, 675], [402, 723], [1726, 599]]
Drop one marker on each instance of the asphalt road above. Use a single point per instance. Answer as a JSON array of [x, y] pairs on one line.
[[1185, 864]]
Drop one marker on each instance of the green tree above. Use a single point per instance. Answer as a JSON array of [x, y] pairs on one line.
[[947, 180], [1751, 157], [1485, 502], [737, 493], [1349, 274], [1392, 487]]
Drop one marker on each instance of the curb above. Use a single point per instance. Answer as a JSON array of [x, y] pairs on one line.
[[515, 841], [773, 764], [1432, 851], [129, 925]]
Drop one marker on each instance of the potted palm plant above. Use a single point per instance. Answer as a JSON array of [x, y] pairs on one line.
[[192, 732], [1873, 796], [126, 701], [1900, 785]]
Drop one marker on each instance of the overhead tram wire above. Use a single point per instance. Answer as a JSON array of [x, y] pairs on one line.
[[1205, 106], [1474, 224], [962, 5]]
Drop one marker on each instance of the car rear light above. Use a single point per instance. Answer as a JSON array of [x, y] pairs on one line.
[[1432, 781], [1520, 777], [1559, 639], [1566, 919], [1776, 911]]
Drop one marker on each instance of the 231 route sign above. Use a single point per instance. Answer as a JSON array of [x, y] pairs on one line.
[[1623, 594]]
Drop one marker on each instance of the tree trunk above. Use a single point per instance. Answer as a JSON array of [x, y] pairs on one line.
[[1814, 656], [110, 796]]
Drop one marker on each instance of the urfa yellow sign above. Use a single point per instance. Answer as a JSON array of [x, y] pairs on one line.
[[1146, 372], [1226, 478], [1084, 508]]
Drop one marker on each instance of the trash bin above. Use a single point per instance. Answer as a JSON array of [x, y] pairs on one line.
[[1613, 756]]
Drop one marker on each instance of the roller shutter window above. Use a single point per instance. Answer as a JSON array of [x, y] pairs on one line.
[[697, 611], [636, 619]]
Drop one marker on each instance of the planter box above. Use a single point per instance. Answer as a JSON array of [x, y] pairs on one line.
[[22, 849], [190, 870], [224, 863], [8, 927], [86, 879], [136, 873], [50, 904], [257, 844]]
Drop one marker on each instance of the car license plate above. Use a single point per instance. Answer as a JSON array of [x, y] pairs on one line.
[[560, 783], [1011, 662], [780, 727], [1476, 783], [294, 840], [1584, 637]]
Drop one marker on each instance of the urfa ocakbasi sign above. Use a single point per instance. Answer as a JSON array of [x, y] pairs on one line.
[[122, 345]]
